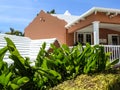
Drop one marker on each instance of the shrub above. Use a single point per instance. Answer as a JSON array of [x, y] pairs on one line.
[[20, 75], [94, 82]]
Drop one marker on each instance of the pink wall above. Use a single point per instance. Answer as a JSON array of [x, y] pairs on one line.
[[49, 27]]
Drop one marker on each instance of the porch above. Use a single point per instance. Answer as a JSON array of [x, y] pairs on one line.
[[98, 26], [105, 34], [98, 33]]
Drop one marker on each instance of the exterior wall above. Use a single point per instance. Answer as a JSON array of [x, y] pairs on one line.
[[46, 26], [70, 38], [104, 33], [82, 23], [56, 43], [102, 17]]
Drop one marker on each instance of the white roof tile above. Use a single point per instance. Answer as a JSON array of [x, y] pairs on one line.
[[26, 46], [67, 13], [67, 18]]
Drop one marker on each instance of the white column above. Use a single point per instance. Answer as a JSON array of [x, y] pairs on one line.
[[96, 32], [74, 37]]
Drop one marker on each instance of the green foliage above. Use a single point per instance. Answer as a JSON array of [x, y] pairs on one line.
[[35, 77], [14, 32], [72, 62], [51, 12], [51, 68]]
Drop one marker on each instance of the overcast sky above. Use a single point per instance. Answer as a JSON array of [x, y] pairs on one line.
[[18, 14]]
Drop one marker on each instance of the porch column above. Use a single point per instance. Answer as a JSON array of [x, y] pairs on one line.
[[74, 37], [96, 32]]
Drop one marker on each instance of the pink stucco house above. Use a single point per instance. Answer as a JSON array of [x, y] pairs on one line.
[[96, 26]]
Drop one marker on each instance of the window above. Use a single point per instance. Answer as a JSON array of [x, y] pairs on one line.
[[80, 38], [113, 39], [84, 38], [88, 38]]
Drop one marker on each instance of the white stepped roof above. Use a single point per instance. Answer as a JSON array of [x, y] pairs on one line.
[[67, 18], [67, 13], [26, 46], [36, 44], [92, 10]]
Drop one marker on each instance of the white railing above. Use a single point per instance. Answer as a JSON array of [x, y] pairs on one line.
[[115, 51]]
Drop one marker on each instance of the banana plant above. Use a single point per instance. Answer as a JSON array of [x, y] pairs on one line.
[[50, 68], [4, 74], [98, 60], [38, 75], [45, 68]]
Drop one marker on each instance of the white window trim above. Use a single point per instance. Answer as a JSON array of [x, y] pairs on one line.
[[110, 38], [84, 36]]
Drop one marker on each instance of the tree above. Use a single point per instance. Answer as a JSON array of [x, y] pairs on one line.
[[15, 32], [51, 12]]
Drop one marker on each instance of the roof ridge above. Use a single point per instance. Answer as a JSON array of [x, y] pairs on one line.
[[67, 13]]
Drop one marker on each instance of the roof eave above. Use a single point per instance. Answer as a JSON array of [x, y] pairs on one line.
[[80, 18], [94, 9]]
